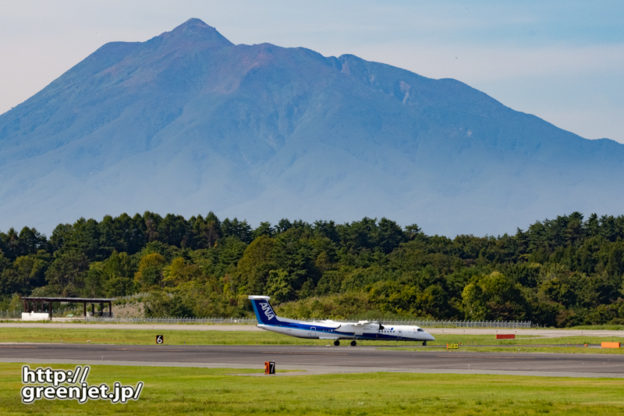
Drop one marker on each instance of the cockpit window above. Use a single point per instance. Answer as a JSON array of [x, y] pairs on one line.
[[420, 330]]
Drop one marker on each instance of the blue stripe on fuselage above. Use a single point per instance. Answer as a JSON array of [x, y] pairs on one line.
[[331, 331]]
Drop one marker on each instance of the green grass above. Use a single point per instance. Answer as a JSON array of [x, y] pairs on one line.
[[521, 339], [524, 349], [146, 336], [552, 350], [183, 391], [489, 343], [194, 337]]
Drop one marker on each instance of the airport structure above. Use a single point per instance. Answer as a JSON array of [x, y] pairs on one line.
[[40, 307]]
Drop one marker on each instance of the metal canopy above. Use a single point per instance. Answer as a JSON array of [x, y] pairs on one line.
[[49, 300], [60, 299]]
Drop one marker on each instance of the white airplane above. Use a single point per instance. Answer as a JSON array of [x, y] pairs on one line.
[[332, 330]]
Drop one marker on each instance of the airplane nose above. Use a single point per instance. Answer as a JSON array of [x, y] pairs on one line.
[[430, 337]]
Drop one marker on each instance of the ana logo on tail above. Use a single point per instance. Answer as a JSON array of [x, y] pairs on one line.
[[268, 311]]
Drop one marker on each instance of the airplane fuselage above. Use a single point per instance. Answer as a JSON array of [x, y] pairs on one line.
[[319, 331], [362, 330]]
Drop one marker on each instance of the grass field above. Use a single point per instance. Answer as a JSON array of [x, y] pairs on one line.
[[234, 391], [225, 392], [192, 337]]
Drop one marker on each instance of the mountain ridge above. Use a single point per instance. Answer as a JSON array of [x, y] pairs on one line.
[[188, 122]]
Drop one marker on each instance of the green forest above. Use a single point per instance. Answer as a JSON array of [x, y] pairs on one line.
[[559, 272]]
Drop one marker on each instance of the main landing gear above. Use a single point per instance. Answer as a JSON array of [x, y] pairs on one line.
[[337, 343]]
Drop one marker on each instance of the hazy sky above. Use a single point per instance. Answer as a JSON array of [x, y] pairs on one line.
[[561, 60]]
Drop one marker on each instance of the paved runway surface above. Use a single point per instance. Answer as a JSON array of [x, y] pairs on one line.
[[242, 327], [313, 359]]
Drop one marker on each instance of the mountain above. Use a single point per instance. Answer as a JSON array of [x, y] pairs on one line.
[[188, 122]]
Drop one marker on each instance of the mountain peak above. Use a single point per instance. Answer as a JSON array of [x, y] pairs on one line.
[[194, 21], [197, 30], [186, 122]]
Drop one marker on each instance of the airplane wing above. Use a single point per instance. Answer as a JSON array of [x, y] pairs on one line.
[[331, 324], [360, 327], [367, 324]]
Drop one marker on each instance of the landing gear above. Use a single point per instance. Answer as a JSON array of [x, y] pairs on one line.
[[336, 342], [353, 343], [424, 343]]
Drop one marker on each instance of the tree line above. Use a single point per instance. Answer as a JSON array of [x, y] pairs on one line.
[[558, 272]]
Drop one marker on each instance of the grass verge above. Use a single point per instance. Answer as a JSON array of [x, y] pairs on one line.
[[191, 337], [218, 392]]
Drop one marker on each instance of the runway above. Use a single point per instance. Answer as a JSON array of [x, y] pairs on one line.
[[547, 333], [320, 359]]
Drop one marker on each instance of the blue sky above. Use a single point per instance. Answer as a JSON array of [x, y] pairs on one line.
[[560, 60]]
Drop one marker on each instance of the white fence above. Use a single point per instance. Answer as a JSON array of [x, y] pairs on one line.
[[465, 324], [173, 320], [423, 323], [10, 314], [252, 321]]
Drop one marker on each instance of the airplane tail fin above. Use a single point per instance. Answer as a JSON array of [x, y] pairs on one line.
[[264, 311]]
